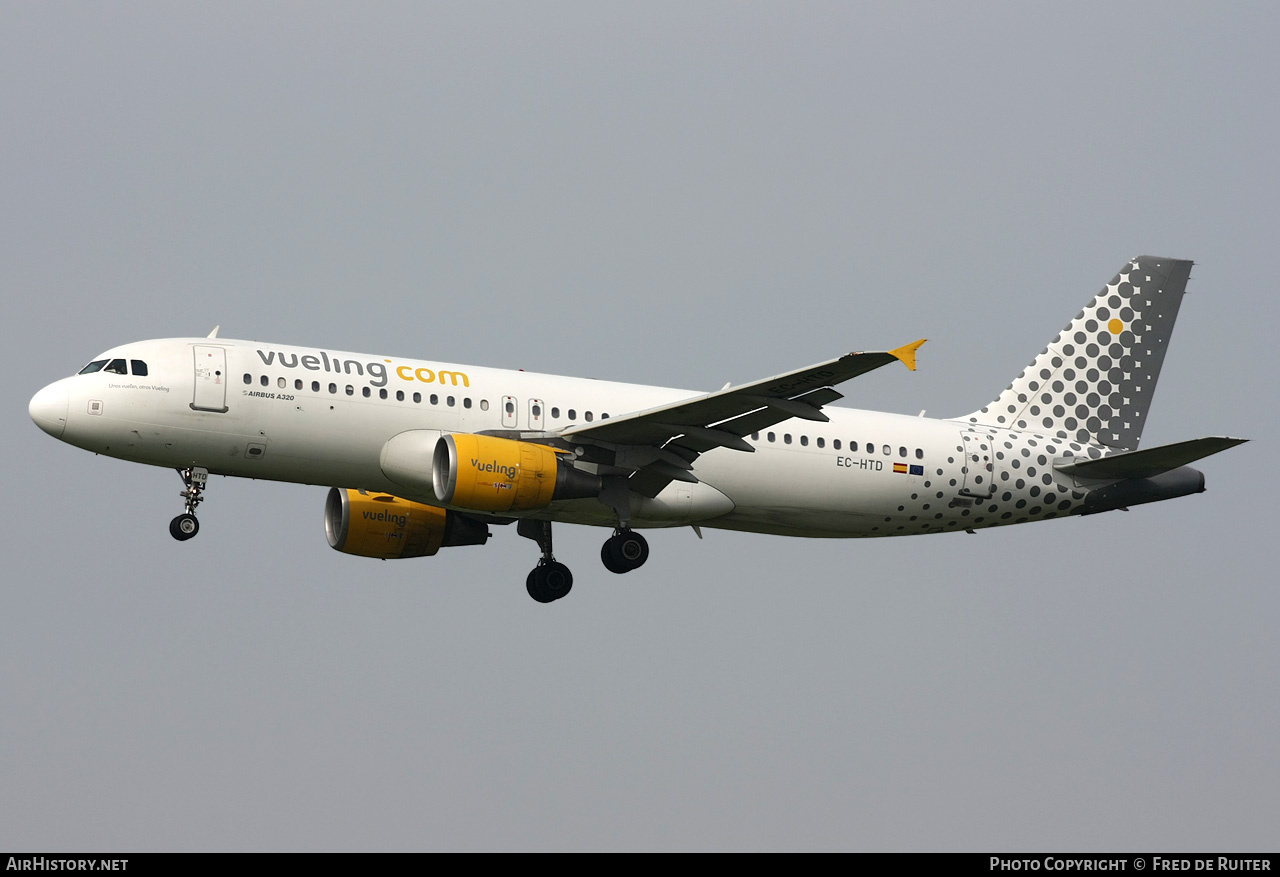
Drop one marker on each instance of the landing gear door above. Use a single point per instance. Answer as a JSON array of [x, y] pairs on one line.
[[211, 379], [978, 474]]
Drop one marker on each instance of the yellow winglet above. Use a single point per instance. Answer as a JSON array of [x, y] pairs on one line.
[[906, 354]]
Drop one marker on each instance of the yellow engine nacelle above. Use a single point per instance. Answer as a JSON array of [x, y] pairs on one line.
[[385, 526], [492, 474]]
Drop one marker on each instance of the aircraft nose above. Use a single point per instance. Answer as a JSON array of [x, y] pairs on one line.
[[48, 409]]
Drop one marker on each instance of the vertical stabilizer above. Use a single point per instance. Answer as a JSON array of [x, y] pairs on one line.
[[1095, 380]]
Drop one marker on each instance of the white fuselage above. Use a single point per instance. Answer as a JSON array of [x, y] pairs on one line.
[[322, 417]]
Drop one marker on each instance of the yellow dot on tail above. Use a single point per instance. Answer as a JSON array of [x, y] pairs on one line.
[[1115, 327]]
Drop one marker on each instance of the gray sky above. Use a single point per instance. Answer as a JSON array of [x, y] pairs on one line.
[[670, 193]]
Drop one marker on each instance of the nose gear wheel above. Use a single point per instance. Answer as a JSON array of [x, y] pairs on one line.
[[185, 525]]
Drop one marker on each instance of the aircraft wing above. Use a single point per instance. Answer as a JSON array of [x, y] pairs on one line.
[[659, 445]]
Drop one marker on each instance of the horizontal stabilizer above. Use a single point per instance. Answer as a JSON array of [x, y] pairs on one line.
[[1147, 463]]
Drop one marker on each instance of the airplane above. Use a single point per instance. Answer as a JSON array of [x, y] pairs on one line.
[[422, 455]]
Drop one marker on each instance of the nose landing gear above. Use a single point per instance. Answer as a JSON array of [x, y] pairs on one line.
[[185, 525]]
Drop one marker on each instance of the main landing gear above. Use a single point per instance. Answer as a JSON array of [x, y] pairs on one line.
[[624, 551], [185, 525], [549, 580]]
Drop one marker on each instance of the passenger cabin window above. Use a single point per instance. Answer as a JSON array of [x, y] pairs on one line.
[[248, 378], [263, 381], [138, 367], [555, 412], [835, 443], [588, 416], [92, 367]]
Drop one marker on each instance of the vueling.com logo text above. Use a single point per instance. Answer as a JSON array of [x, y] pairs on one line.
[[377, 371]]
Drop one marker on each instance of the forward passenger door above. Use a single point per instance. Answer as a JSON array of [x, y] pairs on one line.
[[210, 379]]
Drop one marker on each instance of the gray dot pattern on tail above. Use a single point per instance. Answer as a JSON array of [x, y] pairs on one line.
[[1094, 382]]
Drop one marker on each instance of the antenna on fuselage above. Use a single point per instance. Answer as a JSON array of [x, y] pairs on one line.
[[214, 333]]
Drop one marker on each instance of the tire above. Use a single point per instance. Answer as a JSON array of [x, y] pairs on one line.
[[184, 527], [533, 584], [549, 582], [632, 549], [556, 579], [609, 557]]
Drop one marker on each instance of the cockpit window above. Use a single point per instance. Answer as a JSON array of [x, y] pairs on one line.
[[117, 367], [138, 367], [92, 367]]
